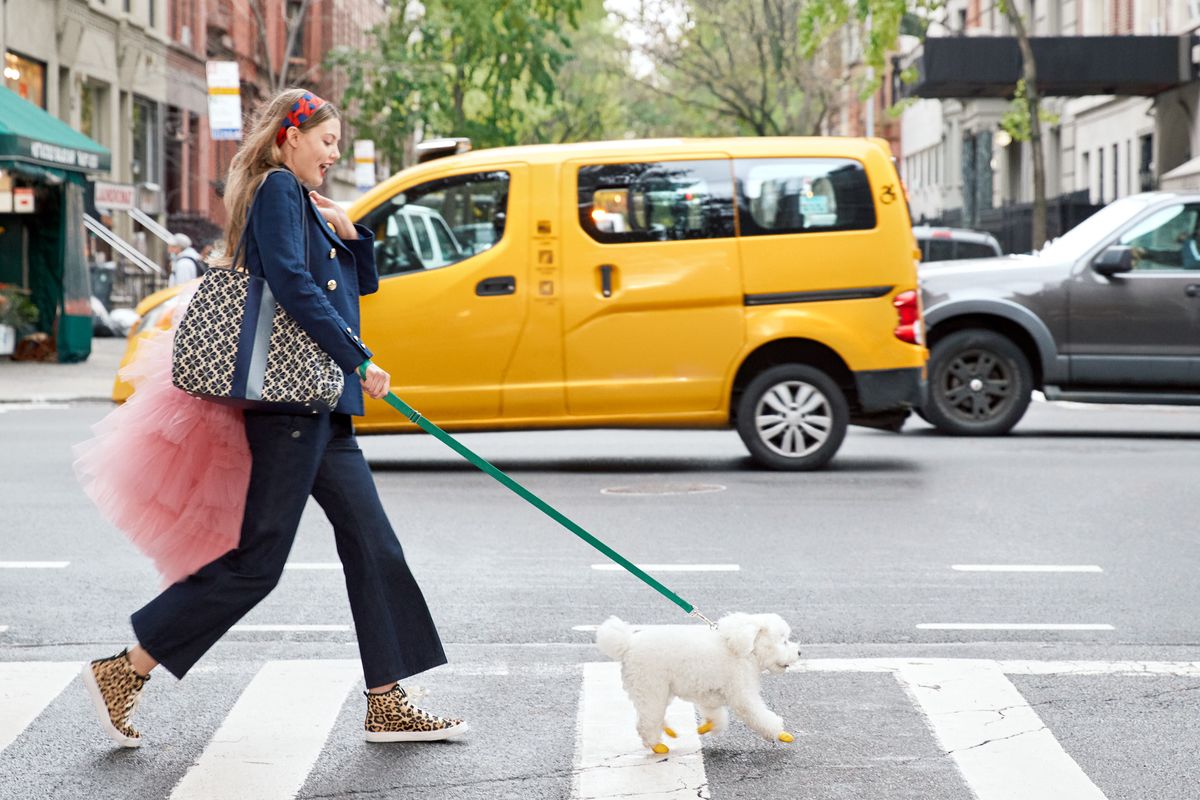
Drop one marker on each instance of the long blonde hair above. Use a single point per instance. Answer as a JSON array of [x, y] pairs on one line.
[[258, 155]]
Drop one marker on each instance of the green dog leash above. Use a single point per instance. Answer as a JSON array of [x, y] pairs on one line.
[[415, 416]]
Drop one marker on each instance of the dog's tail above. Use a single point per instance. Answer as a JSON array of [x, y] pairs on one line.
[[613, 638]]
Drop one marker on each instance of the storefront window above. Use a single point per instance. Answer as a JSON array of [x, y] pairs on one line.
[[26, 77]]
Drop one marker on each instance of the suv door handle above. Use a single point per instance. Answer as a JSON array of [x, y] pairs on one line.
[[491, 287], [1192, 290], [606, 271]]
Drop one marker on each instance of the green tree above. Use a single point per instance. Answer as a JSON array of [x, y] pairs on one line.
[[455, 68], [1028, 126], [720, 67]]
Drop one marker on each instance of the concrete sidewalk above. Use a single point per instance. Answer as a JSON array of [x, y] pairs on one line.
[[35, 381]]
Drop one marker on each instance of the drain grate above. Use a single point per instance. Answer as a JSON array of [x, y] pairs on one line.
[[664, 488]]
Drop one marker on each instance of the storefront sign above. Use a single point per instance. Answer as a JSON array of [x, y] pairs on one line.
[[23, 200], [364, 163], [67, 156], [114, 196], [224, 101]]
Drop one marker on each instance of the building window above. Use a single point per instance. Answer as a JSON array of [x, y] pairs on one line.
[[1146, 163], [1085, 174], [25, 77], [1116, 150], [146, 140]]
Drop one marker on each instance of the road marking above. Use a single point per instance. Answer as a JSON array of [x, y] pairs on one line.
[[313, 565], [1000, 744], [670, 567], [1014, 626], [5, 407], [27, 687], [286, 628], [1026, 568], [33, 564], [3, 628], [273, 735], [610, 760], [594, 628]]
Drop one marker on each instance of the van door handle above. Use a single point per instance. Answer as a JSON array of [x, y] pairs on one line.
[[1192, 290], [491, 287], [606, 271]]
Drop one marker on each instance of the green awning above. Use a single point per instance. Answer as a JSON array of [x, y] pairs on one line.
[[30, 135]]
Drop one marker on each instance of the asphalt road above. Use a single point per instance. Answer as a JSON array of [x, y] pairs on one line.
[[894, 698]]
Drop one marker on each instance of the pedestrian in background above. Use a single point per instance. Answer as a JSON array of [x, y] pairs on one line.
[[316, 263], [185, 261]]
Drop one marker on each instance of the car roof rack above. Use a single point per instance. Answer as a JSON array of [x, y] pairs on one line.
[[440, 148]]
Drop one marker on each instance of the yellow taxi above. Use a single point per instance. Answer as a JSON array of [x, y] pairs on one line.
[[763, 284]]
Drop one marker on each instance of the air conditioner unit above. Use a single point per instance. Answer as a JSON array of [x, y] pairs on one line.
[[185, 35]]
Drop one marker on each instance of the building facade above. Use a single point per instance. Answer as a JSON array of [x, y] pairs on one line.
[[958, 162]]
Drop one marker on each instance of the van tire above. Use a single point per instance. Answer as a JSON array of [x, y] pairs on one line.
[[813, 436], [997, 403]]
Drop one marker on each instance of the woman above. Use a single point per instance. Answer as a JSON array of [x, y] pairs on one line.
[[316, 263]]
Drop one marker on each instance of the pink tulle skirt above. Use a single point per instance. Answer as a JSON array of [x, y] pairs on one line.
[[169, 470]]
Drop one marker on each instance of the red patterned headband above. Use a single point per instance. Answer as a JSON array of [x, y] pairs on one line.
[[299, 113]]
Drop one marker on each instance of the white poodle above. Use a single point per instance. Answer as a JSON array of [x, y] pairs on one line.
[[712, 668]]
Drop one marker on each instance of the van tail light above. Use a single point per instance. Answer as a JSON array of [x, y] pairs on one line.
[[908, 309]]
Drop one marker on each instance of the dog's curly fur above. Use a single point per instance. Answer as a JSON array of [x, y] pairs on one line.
[[714, 669]]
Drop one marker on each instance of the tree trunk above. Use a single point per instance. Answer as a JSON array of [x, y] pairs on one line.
[[1033, 103]]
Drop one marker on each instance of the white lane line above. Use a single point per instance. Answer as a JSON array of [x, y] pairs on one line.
[[273, 735], [1014, 626], [286, 628], [593, 628], [1000, 744], [313, 565], [3, 628], [6, 407], [670, 567], [610, 760], [1026, 568], [26, 688], [33, 564]]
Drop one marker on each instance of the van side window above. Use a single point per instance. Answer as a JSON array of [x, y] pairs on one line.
[[658, 201], [802, 195], [440, 222]]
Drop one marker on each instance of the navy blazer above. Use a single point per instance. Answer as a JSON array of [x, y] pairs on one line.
[[322, 293]]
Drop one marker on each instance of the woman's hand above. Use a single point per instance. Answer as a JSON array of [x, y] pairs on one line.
[[335, 215], [377, 382]]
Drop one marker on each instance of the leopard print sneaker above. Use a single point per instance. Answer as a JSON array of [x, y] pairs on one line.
[[115, 688], [391, 717]]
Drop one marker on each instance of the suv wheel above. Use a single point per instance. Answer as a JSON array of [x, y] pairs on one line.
[[792, 417], [979, 384]]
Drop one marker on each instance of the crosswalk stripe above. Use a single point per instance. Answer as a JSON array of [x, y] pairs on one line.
[[1000, 744], [27, 687], [269, 742], [610, 760]]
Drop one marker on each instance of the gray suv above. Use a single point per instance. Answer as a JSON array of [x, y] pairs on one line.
[[1107, 313]]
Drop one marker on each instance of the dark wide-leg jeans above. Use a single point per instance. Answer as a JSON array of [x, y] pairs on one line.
[[294, 456]]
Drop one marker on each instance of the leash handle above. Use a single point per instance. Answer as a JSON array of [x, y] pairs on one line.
[[415, 416]]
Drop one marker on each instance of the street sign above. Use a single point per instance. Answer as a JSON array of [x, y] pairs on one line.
[[224, 101], [23, 200]]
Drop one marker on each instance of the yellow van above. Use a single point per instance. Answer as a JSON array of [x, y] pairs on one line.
[[765, 284]]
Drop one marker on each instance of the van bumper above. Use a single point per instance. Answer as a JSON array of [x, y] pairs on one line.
[[889, 389]]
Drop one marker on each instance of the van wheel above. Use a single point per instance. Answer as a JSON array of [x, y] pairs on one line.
[[792, 417], [979, 384]]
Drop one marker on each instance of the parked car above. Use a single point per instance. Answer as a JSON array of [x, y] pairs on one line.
[[609, 285], [1108, 313], [949, 244]]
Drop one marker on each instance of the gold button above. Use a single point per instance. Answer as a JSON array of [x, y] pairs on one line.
[[330, 224], [331, 285], [332, 252]]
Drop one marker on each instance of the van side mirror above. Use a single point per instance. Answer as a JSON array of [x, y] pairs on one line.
[[1114, 260]]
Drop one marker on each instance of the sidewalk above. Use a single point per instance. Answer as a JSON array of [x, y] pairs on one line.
[[34, 381]]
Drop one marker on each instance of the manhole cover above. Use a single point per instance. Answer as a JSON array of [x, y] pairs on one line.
[[665, 488]]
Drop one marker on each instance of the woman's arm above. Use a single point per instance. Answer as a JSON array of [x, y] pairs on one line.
[[363, 249], [277, 223]]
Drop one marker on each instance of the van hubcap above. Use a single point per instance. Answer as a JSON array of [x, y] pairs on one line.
[[793, 418]]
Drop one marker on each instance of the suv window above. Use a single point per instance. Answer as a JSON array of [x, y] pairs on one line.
[[657, 201], [802, 195], [940, 250], [975, 250], [440, 222], [1167, 239]]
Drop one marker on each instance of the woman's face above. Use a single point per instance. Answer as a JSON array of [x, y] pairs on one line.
[[311, 153]]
